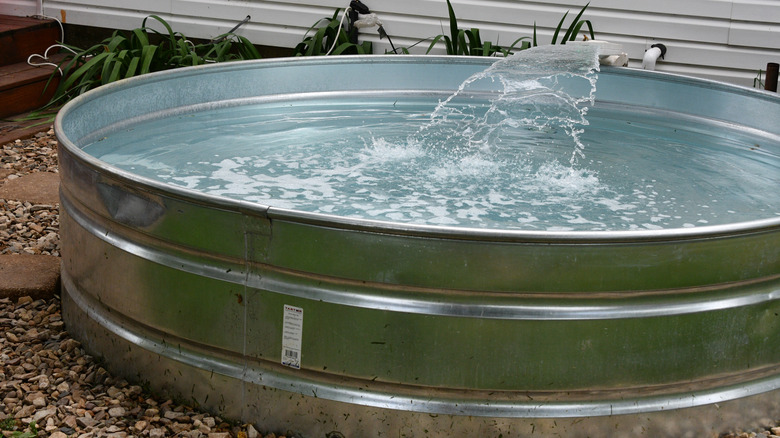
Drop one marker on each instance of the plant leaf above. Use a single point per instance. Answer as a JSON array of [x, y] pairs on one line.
[[453, 29], [106, 70], [82, 71], [535, 43], [460, 47], [132, 67], [558, 29], [571, 33], [141, 38], [116, 71], [147, 56], [435, 40]]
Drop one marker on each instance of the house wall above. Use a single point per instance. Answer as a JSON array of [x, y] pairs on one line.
[[19, 8], [726, 40]]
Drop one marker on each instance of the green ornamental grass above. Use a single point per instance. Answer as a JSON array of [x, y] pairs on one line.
[[329, 38], [145, 49], [468, 41], [126, 55], [574, 28]]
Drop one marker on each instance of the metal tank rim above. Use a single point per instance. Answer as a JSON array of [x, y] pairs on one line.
[[400, 228]]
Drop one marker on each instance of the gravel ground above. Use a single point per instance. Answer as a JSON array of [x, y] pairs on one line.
[[25, 227], [48, 385]]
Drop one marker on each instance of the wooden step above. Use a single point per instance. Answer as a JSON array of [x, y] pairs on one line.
[[23, 87], [20, 37]]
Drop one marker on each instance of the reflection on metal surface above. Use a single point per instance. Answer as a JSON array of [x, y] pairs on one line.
[[416, 328], [128, 208]]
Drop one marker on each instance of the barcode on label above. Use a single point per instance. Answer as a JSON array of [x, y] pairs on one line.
[[292, 335]]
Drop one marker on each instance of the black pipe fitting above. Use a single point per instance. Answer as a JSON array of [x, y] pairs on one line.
[[662, 47]]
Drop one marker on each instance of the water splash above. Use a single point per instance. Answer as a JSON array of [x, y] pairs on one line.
[[543, 88], [386, 158]]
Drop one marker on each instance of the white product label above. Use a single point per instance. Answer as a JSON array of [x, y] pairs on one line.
[[292, 333]]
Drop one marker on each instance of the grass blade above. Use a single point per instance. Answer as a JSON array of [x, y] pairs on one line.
[[141, 39], [571, 34], [115, 42], [119, 63], [147, 56], [558, 29], [106, 70], [535, 43], [132, 67], [453, 29], [436, 39], [84, 69], [246, 49], [460, 46], [171, 36]]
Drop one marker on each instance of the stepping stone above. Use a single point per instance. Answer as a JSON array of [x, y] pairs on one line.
[[10, 131], [37, 276], [35, 188]]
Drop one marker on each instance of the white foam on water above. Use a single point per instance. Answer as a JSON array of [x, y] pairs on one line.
[[614, 204], [239, 182], [555, 177], [526, 218], [189, 182], [505, 151], [380, 150], [466, 167]]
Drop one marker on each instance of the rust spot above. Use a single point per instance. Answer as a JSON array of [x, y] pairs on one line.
[[240, 298], [62, 14]]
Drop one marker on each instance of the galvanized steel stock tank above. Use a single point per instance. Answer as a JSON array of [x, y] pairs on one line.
[[409, 329]]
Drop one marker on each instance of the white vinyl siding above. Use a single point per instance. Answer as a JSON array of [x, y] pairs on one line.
[[726, 40], [19, 8]]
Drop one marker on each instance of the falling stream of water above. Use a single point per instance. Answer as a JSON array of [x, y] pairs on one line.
[[544, 88], [523, 145]]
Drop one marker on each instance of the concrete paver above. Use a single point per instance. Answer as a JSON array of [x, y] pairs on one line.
[[37, 276], [36, 188]]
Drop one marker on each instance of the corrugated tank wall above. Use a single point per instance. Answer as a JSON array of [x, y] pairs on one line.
[[727, 40]]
